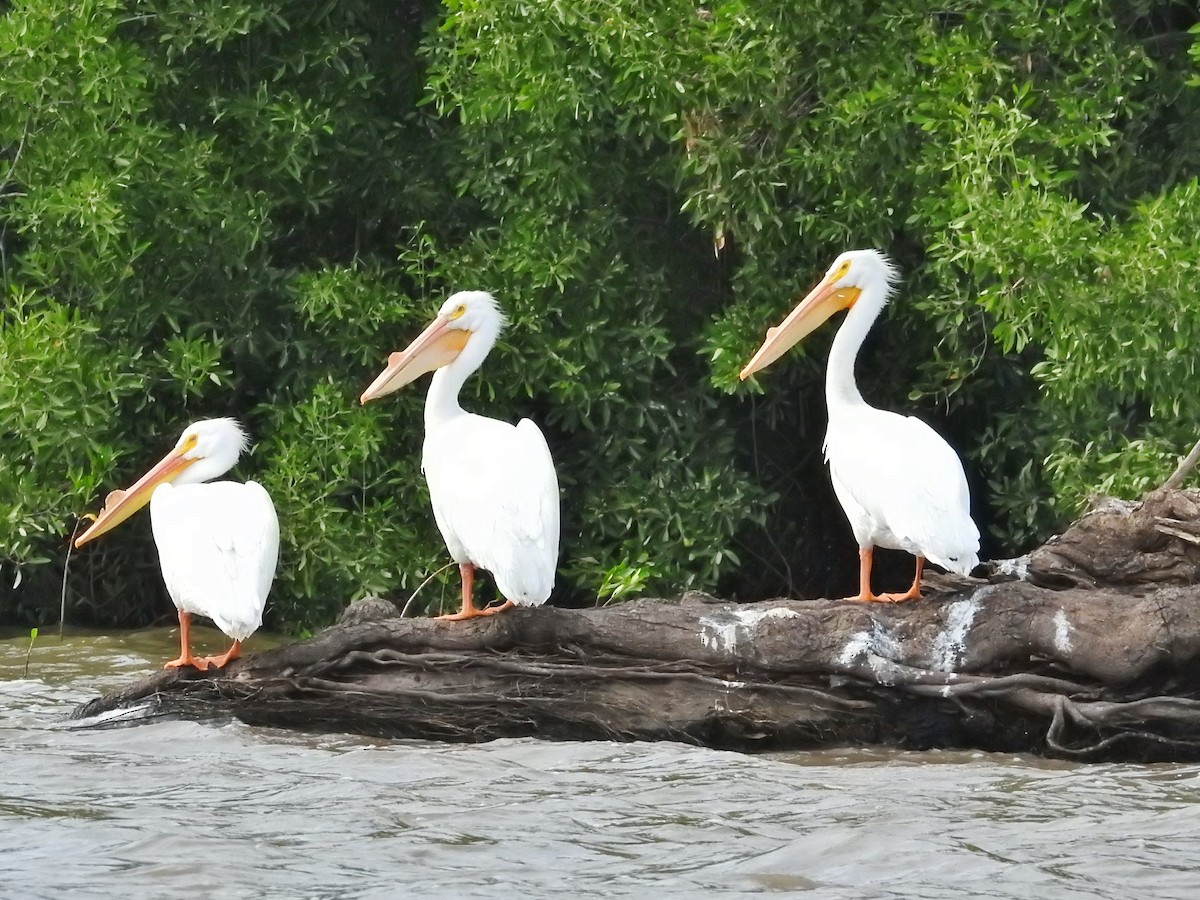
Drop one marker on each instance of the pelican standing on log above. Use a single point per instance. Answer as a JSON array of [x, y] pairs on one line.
[[492, 485], [901, 485], [218, 542]]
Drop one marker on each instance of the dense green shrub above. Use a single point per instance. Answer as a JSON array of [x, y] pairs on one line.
[[243, 207]]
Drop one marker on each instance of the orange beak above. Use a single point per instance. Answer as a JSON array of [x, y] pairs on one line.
[[433, 348], [822, 302], [120, 505]]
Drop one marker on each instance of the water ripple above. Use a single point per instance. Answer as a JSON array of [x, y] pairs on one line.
[[225, 810]]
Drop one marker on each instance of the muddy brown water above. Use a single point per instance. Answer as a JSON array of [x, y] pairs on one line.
[[220, 809]]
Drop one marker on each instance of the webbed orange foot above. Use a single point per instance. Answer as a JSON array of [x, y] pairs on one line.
[[914, 592], [196, 662], [462, 616], [220, 662], [473, 613], [910, 594], [492, 610], [861, 598], [872, 598]]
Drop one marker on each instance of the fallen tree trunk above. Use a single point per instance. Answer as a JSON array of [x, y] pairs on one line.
[[1093, 670]]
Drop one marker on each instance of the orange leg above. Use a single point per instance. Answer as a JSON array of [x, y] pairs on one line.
[[914, 592], [185, 646], [865, 556], [220, 662], [467, 571]]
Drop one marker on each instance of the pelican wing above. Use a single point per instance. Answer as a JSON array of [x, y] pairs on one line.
[[218, 544], [495, 497], [903, 486]]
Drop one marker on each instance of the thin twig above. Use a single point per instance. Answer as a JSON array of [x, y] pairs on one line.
[[1182, 470], [8, 176], [62, 606], [404, 612]]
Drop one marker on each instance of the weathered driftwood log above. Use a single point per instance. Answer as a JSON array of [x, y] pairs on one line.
[[1120, 542], [1102, 667]]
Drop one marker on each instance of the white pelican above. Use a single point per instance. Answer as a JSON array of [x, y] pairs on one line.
[[218, 542], [900, 484], [492, 485]]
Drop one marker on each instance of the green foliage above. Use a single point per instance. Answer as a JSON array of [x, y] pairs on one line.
[[58, 387], [340, 507], [1031, 168], [33, 633], [1014, 159], [247, 206], [241, 208]]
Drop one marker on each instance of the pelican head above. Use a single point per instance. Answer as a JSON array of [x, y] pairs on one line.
[[204, 451], [852, 274], [463, 316]]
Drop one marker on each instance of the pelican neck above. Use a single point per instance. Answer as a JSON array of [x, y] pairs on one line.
[[441, 403], [841, 389]]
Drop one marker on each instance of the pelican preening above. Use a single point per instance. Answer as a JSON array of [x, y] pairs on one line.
[[900, 484], [217, 541], [492, 485]]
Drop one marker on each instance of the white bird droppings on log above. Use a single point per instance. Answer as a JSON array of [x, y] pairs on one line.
[[879, 647], [949, 645], [1017, 568], [724, 631], [1062, 632]]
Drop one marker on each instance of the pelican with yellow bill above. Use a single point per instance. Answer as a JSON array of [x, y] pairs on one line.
[[492, 484], [218, 541], [901, 485]]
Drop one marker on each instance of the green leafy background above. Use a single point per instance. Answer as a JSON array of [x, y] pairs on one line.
[[212, 208]]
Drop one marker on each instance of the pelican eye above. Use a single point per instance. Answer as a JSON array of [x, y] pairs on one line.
[[189, 442], [458, 312]]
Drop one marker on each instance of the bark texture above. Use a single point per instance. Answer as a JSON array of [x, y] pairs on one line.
[[1086, 648]]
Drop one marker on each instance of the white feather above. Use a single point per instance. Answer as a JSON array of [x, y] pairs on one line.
[[492, 484], [902, 487], [495, 499], [899, 483], [218, 544]]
